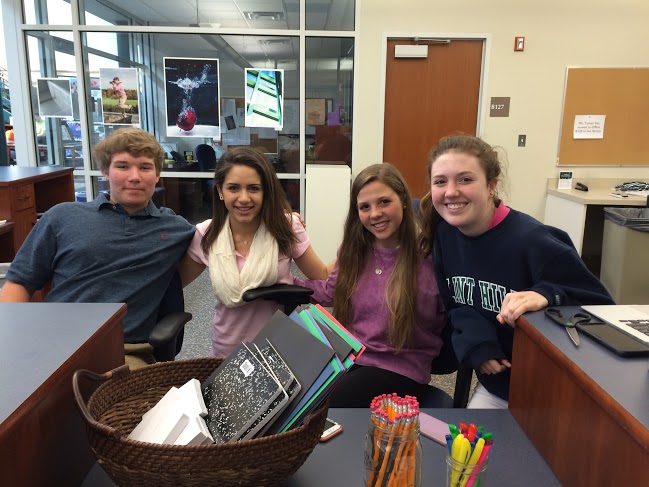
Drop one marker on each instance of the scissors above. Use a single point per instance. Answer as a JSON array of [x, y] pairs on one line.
[[569, 323]]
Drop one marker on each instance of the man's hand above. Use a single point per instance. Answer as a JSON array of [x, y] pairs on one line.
[[495, 366], [515, 304]]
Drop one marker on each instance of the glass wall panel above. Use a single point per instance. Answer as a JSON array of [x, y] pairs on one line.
[[160, 96], [228, 14], [54, 100], [80, 193], [329, 103], [330, 14], [53, 12]]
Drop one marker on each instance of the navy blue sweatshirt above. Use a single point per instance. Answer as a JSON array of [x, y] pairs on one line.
[[475, 273]]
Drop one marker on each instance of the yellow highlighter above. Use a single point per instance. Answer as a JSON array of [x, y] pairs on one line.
[[475, 456], [459, 452]]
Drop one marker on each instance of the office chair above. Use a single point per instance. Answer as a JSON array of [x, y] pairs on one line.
[[446, 363], [206, 157], [177, 157], [288, 295], [166, 337]]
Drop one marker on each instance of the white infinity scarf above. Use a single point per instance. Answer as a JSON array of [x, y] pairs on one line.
[[260, 268]]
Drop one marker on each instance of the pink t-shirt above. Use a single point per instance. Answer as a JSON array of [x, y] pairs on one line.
[[231, 326]]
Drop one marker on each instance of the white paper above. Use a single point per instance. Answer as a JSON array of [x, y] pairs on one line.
[[291, 117], [589, 127], [238, 136]]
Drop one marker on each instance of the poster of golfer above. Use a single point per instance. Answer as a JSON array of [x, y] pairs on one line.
[[119, 96]]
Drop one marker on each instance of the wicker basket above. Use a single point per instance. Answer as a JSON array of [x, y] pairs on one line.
[[117, 406]]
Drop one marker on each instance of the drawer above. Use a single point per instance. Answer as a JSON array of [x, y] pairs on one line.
[[22, 197]]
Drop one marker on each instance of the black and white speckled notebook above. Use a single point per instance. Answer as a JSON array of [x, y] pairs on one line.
[[239, 391]]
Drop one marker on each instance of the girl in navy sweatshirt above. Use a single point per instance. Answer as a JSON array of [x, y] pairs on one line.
[[492, 262]]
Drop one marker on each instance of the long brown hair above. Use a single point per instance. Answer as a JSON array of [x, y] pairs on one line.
[[401, 290], [275, 206], [467, 144]]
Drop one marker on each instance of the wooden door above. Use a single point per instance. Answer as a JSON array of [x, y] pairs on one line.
[[426, 99]]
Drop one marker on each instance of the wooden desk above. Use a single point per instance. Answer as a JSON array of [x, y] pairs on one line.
[[513, 461], [584, 408], [581, 214], [26, 191], [43, 439]]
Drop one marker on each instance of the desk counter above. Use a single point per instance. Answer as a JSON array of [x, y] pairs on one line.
[[585, 408], [42, 436], [599, 193], [513, 459]]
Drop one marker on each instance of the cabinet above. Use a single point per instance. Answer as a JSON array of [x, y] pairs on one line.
[[26, 191], [581, 214]]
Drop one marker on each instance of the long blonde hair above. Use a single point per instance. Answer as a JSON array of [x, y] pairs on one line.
[[401, 290]]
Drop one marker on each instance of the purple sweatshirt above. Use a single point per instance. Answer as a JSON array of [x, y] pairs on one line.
[[370, 316]]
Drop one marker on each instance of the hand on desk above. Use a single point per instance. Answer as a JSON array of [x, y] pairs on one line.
[[515, 304]]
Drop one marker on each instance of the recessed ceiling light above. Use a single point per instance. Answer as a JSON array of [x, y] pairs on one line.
[[265, 15]]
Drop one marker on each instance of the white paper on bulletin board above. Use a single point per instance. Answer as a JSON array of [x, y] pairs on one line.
[[589, 127]]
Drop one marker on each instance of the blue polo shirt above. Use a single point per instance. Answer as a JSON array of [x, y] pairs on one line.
[[96, 252]]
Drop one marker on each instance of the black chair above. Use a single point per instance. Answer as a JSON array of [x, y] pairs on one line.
[[288, 295], [166, 337], [177, 156], [446, 363], [206, 157]]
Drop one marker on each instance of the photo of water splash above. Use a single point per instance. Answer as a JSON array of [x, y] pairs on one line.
[[192, 97]]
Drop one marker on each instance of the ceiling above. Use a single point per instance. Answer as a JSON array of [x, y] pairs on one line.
[[321, 53], [236, 14]]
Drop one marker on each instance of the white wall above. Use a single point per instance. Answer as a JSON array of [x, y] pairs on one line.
[[558, 33]]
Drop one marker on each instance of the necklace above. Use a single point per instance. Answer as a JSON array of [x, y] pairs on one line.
[[240, 239], [380, 264]]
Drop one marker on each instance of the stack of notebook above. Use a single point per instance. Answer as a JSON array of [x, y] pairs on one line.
[[269, 385]]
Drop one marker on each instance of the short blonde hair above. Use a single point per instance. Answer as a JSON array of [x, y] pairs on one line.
[[133, 141]]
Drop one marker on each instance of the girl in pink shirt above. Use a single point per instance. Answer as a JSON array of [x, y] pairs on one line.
[[248, 243]]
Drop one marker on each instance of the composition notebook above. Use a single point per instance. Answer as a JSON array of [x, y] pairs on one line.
[[237, 393], [630, 319]]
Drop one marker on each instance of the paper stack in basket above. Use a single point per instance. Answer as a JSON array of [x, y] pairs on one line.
[[177, 419]]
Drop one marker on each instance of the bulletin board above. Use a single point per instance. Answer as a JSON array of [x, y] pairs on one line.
[[622, 94]]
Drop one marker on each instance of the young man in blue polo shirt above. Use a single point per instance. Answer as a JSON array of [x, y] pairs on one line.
[[118, 248]]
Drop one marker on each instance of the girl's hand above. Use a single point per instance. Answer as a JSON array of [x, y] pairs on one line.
[[515, 304], [495, 366]]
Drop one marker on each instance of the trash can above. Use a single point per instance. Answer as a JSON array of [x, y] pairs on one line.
[[625, 254]]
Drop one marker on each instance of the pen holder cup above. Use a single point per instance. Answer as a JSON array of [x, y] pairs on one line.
[[392, 456], [459, 474]]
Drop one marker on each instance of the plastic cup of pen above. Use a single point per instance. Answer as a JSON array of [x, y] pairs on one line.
[[461, 474], [393, 455]]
